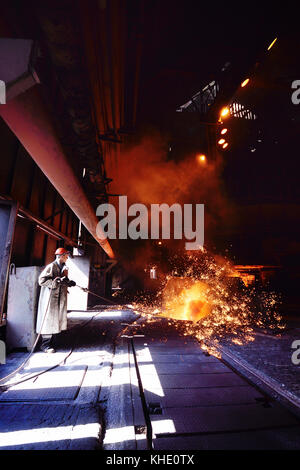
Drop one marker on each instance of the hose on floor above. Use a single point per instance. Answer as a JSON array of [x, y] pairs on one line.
[[3, 379]]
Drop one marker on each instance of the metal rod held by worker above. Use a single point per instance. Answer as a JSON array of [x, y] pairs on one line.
[[85, 289]]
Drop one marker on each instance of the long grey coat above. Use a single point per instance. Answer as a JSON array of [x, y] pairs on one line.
[[56, 319]]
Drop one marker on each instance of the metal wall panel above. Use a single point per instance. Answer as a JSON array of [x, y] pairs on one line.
[[22, 307], [8, 214]]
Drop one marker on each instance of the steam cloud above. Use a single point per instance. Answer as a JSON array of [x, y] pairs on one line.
[[145, 175]]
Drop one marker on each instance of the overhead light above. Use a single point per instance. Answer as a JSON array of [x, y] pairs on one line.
[[201, 157], [225, 145], [224, 112], [245, 82], [223, 131], [221, 141], [272, 44]]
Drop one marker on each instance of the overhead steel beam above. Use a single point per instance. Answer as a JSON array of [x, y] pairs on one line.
[[29, 119]]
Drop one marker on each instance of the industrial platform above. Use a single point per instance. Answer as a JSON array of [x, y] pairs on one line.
[[122, 382], [60, 409], [179, 397]]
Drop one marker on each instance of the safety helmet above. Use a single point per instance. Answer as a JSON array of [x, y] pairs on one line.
[[61, 251]]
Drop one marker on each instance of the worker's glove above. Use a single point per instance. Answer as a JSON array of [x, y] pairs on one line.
[[56, 282], [66, 281]]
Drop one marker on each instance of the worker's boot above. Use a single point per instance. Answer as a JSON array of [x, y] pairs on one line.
[[46, 344]]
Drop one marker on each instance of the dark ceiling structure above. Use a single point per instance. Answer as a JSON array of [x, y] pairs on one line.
[[87, 59], [111, 71]]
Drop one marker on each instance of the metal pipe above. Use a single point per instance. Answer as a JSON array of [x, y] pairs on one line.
[[40, 223], [29, 119]]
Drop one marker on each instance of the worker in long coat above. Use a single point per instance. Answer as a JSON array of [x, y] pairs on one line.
[[52, 312]]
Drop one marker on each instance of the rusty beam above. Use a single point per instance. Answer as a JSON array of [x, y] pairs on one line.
[[29, 119]]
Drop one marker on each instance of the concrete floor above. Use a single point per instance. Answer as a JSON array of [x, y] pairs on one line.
[[144, 386]]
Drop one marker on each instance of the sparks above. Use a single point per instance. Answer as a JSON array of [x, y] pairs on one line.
[[212, 300]]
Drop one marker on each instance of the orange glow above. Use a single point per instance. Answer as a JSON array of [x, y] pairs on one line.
[[186, 300], [245, 82], [225, 145], [211, 305], [221, 141], [247, 278], [272, 44], [201, 157], [223, 131], [224, 112]]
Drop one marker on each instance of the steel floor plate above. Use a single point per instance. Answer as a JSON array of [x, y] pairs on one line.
[[269, 439], [205, 397], [185, 381], [185, 368], [223, 418], [53, 385], [144, 355]]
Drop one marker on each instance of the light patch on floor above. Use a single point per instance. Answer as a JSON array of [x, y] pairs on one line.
[[50, 434]]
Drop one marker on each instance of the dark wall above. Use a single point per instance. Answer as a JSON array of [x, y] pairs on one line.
[[22, 181]]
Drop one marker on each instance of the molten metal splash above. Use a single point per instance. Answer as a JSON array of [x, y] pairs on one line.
[[184, 300], [213, 303]]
